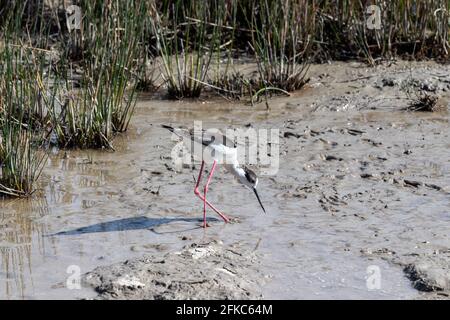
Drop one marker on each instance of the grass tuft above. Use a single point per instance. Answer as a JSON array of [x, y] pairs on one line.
[[423, 102]]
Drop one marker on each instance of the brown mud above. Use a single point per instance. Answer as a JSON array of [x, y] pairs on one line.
[[361, 183]]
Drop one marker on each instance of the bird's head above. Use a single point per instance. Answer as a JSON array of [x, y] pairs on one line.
[[251, 181]]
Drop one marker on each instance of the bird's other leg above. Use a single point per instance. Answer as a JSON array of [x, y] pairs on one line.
[[206, 191], [198, 194]]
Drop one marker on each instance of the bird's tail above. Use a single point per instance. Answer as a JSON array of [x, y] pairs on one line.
[[172, 129]]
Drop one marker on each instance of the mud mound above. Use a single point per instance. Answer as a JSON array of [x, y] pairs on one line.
[[429, 275], [208, 271]]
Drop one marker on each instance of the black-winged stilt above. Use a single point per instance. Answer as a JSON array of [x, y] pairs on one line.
[[220, 147]]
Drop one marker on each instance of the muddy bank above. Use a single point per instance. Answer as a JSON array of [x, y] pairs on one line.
[[361, 184], [206, 271], [428, 270]]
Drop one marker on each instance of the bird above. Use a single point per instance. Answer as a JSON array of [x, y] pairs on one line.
[[217, 147]]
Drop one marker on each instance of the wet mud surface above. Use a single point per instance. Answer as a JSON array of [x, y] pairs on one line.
[[362, 185]]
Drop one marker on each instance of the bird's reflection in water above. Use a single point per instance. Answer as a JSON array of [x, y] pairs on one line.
[[18, 230]]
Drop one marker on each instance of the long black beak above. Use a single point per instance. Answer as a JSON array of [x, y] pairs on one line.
[[259, 200]]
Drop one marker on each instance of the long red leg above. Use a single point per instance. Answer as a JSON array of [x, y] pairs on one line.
[[224, 217], [198, 194], [199, 177], [206, 191]]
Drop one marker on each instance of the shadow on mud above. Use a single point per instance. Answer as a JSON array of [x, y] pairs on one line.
[[134, 223]]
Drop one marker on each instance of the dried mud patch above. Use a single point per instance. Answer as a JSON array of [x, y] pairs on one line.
[[198, 271]]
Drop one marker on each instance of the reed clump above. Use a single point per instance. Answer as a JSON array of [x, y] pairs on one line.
[[186, 42], [279, 45], [22, 112], [102, 103]]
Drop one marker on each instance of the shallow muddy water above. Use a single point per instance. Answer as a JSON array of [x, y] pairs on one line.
[[344, 201]]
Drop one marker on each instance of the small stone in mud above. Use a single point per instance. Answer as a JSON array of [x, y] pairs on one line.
[[129, 282], [332, 143], [407, 152], [411, 183], [427, 86], [288, 134], [168, 167], [186, 166], [382, 251], [389, 82], [234, 220], [433, 186], [372, 142], [331, 158], [152, 190], [354, 132], [378, 158]]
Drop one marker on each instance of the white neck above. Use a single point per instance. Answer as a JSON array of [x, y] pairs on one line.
[[240, 174], [236, 170]]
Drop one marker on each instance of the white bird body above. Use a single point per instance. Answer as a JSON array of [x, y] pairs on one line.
[[218, 149]]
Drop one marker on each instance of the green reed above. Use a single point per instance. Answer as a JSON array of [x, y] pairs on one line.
[[278, 44], [186, 44], [103, 100], [23, 103]]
